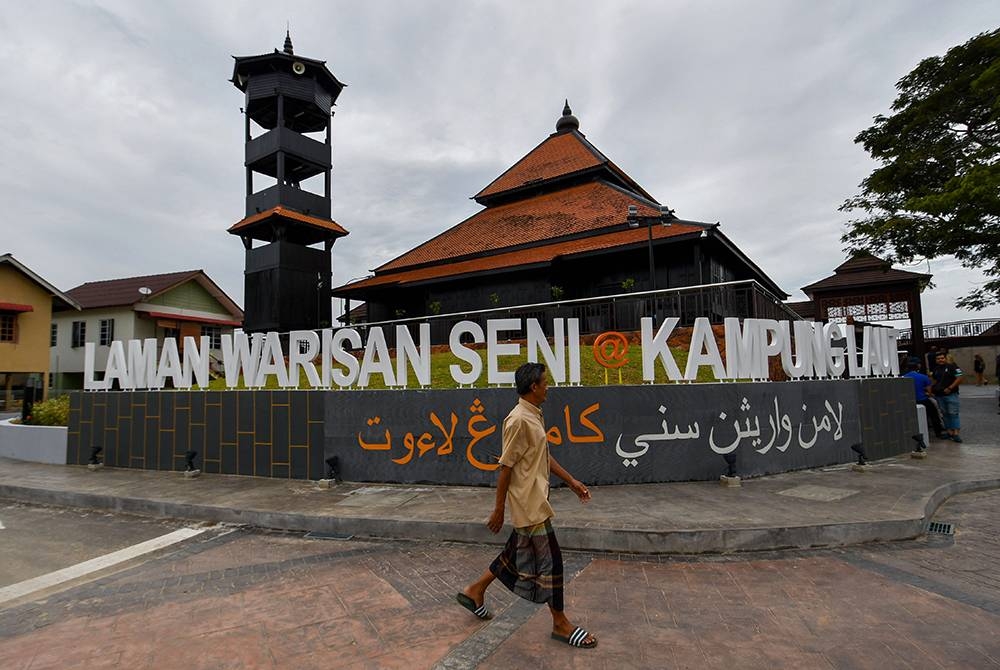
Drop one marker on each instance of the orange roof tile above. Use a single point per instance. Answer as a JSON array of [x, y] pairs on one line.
[[578, 209], [325, 224], [559, 154], [530, 256]]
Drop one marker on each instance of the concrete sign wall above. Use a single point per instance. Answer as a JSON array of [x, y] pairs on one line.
[[604, 435], [629, 434]]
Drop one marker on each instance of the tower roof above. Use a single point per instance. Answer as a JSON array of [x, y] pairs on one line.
[[565, 155], [297, 227], [283, 61]]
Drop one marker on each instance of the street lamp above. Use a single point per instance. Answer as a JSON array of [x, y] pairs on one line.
[[347, 301], [665, 218]]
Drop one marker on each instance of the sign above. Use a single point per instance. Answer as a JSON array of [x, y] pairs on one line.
[[330, 358]]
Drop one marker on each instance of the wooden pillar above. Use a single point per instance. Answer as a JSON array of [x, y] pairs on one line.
[[249, 171], [326, 173], [281, 152], [916, 323]]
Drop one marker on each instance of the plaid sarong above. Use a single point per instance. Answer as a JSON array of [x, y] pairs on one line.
[[530, 565]]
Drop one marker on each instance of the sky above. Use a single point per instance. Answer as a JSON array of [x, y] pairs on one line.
[[122, 138]]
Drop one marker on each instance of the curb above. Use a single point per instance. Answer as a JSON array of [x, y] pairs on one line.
[[633, 541]]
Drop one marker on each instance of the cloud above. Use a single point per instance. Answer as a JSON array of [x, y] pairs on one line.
[[123, 142]]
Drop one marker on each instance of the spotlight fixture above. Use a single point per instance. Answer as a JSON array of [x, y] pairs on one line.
[[95, 455], [730, 478], [730, 459], [859, 449], [189, 469], [331, 468]]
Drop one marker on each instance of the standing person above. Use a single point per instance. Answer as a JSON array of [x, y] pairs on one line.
[[979, 367], [530, 564], [931, 357], [921, 386], [947, 378]]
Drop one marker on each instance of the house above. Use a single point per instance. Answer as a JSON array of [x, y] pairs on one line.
[[27, 303], [176, 304], [563, 222]]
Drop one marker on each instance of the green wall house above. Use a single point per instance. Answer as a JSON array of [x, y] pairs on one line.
[[176, 304]]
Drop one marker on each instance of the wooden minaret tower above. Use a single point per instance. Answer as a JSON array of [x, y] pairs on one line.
[[287, 119]]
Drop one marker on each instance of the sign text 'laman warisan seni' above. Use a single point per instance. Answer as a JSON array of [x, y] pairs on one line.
[[329, 359]]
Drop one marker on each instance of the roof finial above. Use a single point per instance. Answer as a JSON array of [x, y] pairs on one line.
[[288, 43], [567, 122]]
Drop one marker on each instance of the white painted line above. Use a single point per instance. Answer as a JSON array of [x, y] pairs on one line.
[[85, 568]]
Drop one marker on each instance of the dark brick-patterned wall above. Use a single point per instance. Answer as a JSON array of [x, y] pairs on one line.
[[259, 433], [287, 434], [888, 416]]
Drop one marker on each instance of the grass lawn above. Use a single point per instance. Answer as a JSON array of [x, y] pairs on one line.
[[591, 372]]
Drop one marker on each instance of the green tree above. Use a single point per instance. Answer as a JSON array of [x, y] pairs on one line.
[[937, 189]]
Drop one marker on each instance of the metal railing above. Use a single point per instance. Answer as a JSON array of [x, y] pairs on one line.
[[621, 312], [968, 328]]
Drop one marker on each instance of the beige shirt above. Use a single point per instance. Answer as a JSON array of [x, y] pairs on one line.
[[526, 453]]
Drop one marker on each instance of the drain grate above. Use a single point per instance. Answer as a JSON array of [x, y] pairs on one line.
[[941, 528], [327, 536]]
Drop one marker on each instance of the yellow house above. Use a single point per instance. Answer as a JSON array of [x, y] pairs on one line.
[[26, 305]]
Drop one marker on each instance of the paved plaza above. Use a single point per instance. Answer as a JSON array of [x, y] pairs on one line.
[[245, 596]]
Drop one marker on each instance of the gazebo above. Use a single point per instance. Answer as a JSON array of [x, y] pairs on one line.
[[867, 288]]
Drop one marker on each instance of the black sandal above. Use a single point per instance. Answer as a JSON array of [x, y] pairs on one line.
[[470, 604], [576, 638]]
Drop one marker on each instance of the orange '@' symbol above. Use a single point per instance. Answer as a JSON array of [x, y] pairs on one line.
[[611, 349]]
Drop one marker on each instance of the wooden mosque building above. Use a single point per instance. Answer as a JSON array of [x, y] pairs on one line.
[[563, 222]]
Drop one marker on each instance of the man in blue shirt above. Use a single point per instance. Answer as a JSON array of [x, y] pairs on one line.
[[922, 385]]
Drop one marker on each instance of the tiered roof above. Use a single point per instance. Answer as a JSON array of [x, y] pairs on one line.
[[564, 198], [863, 269]]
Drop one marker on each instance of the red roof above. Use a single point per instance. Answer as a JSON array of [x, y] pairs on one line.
[[15, 307], [125, 292], [559, 154], [579, 209], [196, 319], [530, 256], [564, 198], [121, 292], [250, 223]]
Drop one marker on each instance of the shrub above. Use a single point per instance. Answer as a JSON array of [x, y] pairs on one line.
[[52, 412]]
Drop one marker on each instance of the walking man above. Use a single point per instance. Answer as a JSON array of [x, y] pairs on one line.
[[530, 564]]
